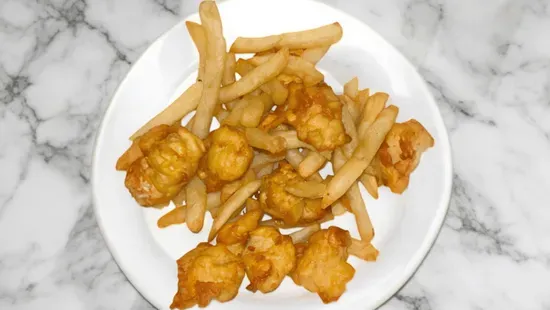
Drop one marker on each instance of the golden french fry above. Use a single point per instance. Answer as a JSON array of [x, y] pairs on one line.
[[180, 197], [338, 209], [294, 158], [362, 156], [132, 154], [292, 141], [213, 200], [361, 99], [213, 67], [273, 87], [351, 131], [281, 224], [351, 106], [256, 77], [306, 189], [363, 250], [253, 112], [222, 115], [261, 159], [175, 216], [265, 170], [234, 117], [229, 69], [190, 123], [199, 38], [351, 88], [303, 234], [314, 55], [264, 141], [370, 184], [311, 164], [231, 205], [196, 204], [296, 66], [252, 204], [373, 107], [186, 103], [230, 188], [254, 45], [321, 36]]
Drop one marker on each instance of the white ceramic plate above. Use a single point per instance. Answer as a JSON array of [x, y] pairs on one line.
[[406, 225]]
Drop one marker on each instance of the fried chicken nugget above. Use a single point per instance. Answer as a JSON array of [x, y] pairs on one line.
[[322, 267], [400, 154], [316, 113], [235, 234], [205, 273], [228, 158], [280, 204], [268, 258], [171, 157]]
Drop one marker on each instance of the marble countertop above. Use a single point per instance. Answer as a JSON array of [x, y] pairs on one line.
[[487, 63]]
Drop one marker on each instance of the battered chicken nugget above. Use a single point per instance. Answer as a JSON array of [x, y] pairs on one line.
[[268, 258], [205, 273], [171, 157], [235, 234], [316, 113], [228, 158], [322, 268], [400, 154]]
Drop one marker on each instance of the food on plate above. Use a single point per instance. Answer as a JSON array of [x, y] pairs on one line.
[[268, 257], [205, 273], [316, 113], [323, 266], [227, 158], [280, 125], [171, 157]]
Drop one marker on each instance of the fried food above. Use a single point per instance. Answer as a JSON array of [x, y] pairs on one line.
[[276, 201], [205, 273], [227, 159], [171, 157], [400, 154], [316, 113], [268, 258], [235, 234], [322, 268]]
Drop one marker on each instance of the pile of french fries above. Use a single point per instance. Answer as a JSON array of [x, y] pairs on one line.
[[246, 103]]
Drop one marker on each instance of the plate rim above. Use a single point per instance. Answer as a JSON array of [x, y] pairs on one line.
[[434, 230]]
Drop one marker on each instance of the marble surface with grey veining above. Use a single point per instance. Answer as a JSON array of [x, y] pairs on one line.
[[486, 62]]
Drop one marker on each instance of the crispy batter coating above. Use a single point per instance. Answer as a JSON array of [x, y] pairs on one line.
[[400, 154], [268, 258], [316, 113], [235, 234], [322, 268], [280, 204], [228, 158], [171, 157], [205, 273]]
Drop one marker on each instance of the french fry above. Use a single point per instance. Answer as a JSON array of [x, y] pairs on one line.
[[338, 209], [265, 170], [306, 189], [213, 200], [252, 113], [190, 123], [317, 37], [132, 154], [303, 234], [311, 164], [261, 159], [175, 216], [314, 55], [235, 202], [196, 204], [373, 107], [282, 225], [222, 115], [370, 184], [294, 158], [229, 69], [267, 102], [363, 250], [234, 117], [273, 87], [296, 66], [362, 98], [252, 204], [292, 141], [351, 131], [351, 106], [264, 141], [230, 188], [362, 156], [186, 103], [199, 38], [351, 88], [213, 68], [254, 45], [256, 77], [179, 199]]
